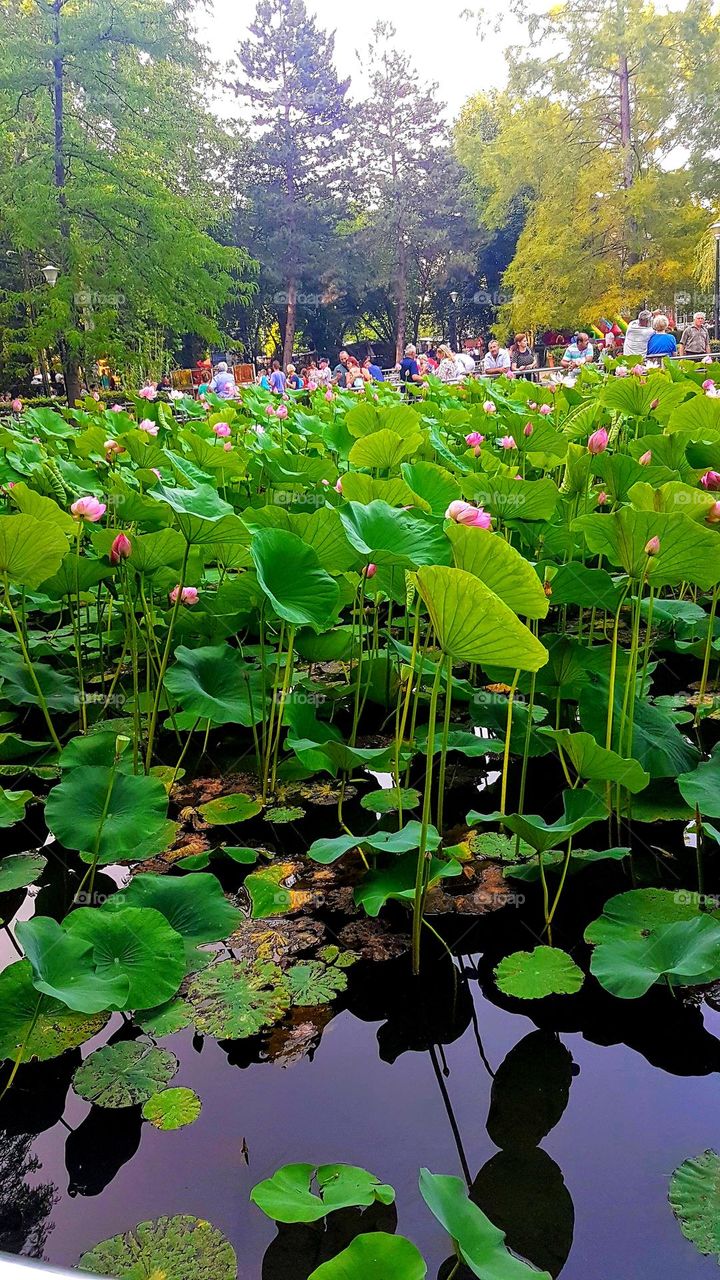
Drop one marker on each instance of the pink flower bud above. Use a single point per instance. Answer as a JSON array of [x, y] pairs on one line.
[[602, 498], [281, 411], [598, 441], [621, 371], [16, 405], [711, 480], [474, 438], [532, 404], [507, 442], [654, 404], [222, 429], [338, 485], [707, 384], [88, 509], [638, 369], [652, 546], [121, 549], [116, 408], [528, 429], [227, 447], [489, 407], [545, 409], [188, 595], [149, 426], [465, 513], [270, 409], [329, 396], [156, 472], [646, 458], [713, 515], [370, 570]]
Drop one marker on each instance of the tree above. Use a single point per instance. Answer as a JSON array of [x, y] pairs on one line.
[[293, 172], [583, 141], [103, 123]]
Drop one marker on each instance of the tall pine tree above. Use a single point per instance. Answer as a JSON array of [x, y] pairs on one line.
[[293, 178]]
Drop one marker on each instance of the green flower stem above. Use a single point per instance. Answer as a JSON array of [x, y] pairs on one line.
[[76, 619], [506, 752], [152, 727], [563, 877], [423, 858], [21, 1051], [707, 654], [444, 742], [613, 671], [402, 724], [287, 680], [269, 737], [29, 666]]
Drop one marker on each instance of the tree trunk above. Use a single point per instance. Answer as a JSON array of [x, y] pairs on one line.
[[290, 322], [625, 129], [70, 362]]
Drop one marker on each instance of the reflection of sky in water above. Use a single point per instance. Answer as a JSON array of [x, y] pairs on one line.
[[626, 1127]]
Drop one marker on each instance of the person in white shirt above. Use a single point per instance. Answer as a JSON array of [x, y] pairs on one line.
[[497, 359], [448, 369], [465, 362], [639, 333]]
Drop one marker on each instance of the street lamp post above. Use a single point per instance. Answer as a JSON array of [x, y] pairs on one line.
[[453, 319], [715, 228]]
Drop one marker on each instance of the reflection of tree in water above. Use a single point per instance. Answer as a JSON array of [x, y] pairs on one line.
[[23, 1208]]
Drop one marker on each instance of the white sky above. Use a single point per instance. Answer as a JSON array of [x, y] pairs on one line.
[[443, 46]]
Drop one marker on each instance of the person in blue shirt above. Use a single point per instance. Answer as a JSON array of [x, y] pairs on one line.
[[661, 343], [374, 370], [264, 380], [408, 366], [277, 379], [577, 353]]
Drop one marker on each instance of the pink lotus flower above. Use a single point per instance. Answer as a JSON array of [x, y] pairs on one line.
[[532, 404], [148, 393], [602, 498], [474, 439], [507, 442], [465, 513], [528, 429], [16, 405], [88, 509], [117, 408], [188, 595], [227, 447], [545, 409], [148, 425], [713, 515], [329, 396], [489, 407], [156, 472], [646, 458], [598, 441], [621, 371], [711, 480], [270, 409], [112, 447], [96, 395], [707, 359], [707, 384], [258, 429], [121, 549], [370, 570], [281, 411], [338, 485], [222, 429], [712, 392], [638, 369], [652, 546]]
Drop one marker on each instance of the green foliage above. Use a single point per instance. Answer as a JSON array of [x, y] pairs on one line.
[[124, 1074], [287, 1196], [172, 1109], [480, 1244], [532, 975], [175, 1248], [695, 1200]]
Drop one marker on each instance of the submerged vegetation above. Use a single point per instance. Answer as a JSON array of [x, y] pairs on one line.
[[253, 658]]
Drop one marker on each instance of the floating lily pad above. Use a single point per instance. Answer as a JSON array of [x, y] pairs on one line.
[[280, 814], [39, 1026], [390, 799], [172, 1109], [315, 982], [532, 975], [179, 1248], [19, 870], [287, 1195], [374, 1256], [227, 810], [124, 1074], [194, 905], [12, 806], [695, 1200], [167, 1018], [235, 999], [494, 844]]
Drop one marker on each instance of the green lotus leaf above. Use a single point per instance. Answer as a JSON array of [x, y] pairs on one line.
[[172, 1109], [227, 810], [390, 799], [688, 552], [382, 450], [480, 1244], [397, 882], [172, 1248], [287, 1195], [494, 844], [18, 870], [124, 1074], [284, 813], [581, 809], [216, 683], [500, 567], [136, 942], [46, 510], [630, 916], [591, 588], [374, 1256], [532, 975], [269, 897], [701, 788], [695, 1200], [687, 951], [201, 514], [36, 1025], [12, 807], [58, 688], [292, 577], [434, 484], [473, 625], [194, 905], [76, 574], [513, 500], [132, 823], [31, 550], [234, 999], [386, 536], [594, 763], [174, 1015], [64, 967], [657, 743], [554, 862]]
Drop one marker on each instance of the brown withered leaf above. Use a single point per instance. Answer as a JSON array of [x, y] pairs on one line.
[[277, 938], [373, 940], [300, 1037]]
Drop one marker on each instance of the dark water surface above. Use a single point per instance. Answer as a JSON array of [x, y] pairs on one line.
[[626, 1126]]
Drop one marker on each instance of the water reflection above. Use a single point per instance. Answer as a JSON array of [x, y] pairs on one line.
[[24, 1208]]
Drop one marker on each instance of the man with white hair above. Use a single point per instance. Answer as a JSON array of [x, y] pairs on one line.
[[695, 340], [408, 367], [639, 333], [223, 384]]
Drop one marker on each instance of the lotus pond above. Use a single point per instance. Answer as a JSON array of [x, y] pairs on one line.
[[360, 790]]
